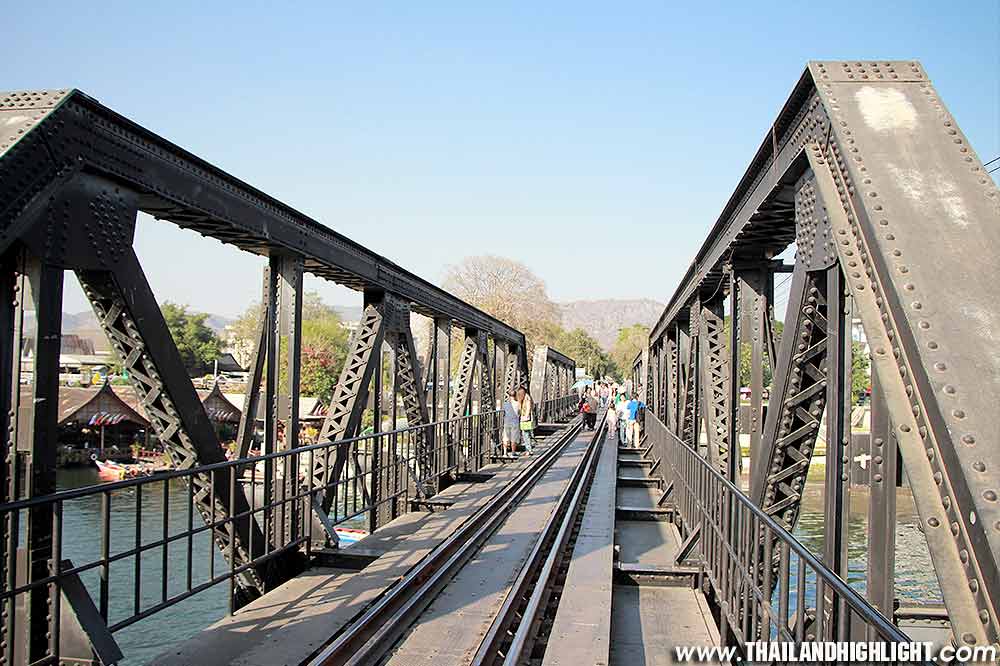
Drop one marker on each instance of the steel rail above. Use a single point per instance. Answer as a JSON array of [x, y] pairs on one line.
[[376, 631], [559, 523]]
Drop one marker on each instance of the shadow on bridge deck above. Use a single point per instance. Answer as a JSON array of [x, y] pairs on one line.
[[291, 623]]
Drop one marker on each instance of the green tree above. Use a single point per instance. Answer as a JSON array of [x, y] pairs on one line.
[[586, 351], [861, 377], [631, 340], [324, 344], [197, 343]]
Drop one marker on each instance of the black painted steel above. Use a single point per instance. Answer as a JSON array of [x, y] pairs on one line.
[[867, 173]]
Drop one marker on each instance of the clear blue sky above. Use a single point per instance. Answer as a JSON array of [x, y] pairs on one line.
[[562, 134]]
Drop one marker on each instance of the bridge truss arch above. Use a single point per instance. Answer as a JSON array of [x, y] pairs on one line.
[[73, 177], [896, 225]]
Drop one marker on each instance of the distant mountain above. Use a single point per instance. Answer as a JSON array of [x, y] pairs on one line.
[[87, 321], [218, 322], [602, 318], [348, 313]]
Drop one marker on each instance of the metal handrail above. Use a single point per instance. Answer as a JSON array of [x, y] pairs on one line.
[[385, 469], [741, 550], [75, 493]]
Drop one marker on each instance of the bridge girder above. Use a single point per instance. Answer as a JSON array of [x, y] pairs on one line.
[[869, 174], [73, 176]]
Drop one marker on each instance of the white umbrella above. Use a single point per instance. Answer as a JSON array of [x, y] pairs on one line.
[[581, 384]]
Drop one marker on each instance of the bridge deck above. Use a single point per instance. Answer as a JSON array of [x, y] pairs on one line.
[[649, 621], [292, 622], [654, 604], [581, 631], [631, 611], [452, 628]]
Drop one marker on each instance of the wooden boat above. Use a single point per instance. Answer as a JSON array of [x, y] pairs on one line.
[[109, 470]]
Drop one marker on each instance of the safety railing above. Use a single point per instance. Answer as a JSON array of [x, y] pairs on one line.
[[150, 548], [561, 407], [767, 585]]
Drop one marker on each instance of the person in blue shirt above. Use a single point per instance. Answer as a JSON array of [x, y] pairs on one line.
[[632, 408]]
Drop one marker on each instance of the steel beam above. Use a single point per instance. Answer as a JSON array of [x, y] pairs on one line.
[[286, 346], [942, 487], [11, 327], [66, 132], [442, 369], [127, 312], [37, 437], [462, 395], [735, 352], [343, 420], [881, 573], [714, 380], [797, 400], [836, 495], [755, 287]]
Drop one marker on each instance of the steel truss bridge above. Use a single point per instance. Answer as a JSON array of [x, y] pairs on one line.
[[864, 191]]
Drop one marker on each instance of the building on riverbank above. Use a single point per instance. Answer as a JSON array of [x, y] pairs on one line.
[[94, 420]]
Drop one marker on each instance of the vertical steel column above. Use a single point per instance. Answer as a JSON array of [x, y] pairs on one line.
[[11, 317], [289, 336], [441, 372], [374, 397], [694, 378], [755, 287], [390, 350], [715, 381], [670, 382], [350, 397], [735, 462], [39, 419], [271, 398], [881, 506], [684, 415], [837, 489]]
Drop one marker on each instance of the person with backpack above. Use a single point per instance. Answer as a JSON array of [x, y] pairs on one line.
[[633, 408]]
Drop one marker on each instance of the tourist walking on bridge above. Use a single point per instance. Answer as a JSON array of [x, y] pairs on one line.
[[613, 419], [527, 422], [622, 408], [591, 405], [511, 423], [632, 408]]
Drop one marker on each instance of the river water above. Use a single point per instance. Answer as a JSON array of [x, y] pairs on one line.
[[140, 642]]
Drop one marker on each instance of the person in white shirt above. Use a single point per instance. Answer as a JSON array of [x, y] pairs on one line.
[[511, 423]]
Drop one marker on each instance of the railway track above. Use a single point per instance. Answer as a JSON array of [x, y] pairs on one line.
[[518, 629], [518, 633]]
